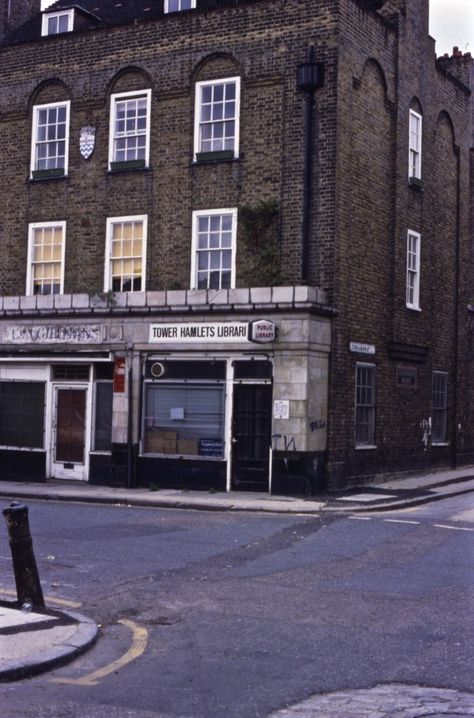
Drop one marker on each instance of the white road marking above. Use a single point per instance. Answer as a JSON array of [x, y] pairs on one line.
[[361, 518], [452, 528], [402, 521]]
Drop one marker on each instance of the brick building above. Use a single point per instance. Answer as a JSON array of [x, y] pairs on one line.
[[236, 243]]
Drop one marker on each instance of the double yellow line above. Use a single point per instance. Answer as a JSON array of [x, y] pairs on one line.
[[139, 644]]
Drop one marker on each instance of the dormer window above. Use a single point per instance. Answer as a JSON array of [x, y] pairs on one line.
[[55, 23], [177, 5]]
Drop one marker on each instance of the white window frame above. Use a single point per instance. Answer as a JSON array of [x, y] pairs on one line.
[[371, 406], [413, 270], [212, 213], [444, 409], [29, 271], [415, 144], [197, 112], [108, 277], [47, 16], [167, 3], [34, 134], [118, 97]]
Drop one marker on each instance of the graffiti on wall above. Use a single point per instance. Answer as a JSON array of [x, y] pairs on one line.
[[283, 442], [317, 424]]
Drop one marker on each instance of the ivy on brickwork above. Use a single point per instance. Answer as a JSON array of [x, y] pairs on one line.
[[108, 298], [259, 233]]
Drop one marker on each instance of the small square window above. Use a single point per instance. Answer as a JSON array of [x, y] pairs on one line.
[[177, 5], [54, 23]]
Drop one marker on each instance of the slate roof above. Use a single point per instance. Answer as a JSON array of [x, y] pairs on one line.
[[108, 13]]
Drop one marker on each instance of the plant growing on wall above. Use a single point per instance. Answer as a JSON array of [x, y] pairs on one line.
[[259, 235], [107, 298]]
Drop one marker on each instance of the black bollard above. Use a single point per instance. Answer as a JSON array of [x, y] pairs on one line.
[[27, 581]]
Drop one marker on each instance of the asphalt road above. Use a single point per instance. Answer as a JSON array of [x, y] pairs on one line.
[[241, 615]]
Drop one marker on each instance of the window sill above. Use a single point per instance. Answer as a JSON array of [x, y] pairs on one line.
[[37, 175], [131, 166], [5, 447], [413, 308], [221, 156], [370, 447], [417, 183], [157, 455], [440, 443]]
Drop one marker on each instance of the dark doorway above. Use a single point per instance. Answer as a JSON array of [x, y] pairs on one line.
[[70, 423], [251, 437]]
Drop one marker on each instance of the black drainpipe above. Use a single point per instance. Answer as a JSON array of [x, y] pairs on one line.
[[130, 418], [457, 419], [310, 77]]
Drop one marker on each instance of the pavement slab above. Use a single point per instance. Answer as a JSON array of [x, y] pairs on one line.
[[384, 701], [32, 643]]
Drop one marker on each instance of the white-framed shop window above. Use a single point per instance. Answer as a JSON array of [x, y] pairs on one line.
[[439, 427], [54, 23], [46, 250], [184, 408], [125, 254], [213, 249], [413, 270], [50, 139], [415, 144], [216, 117], [177, 5], [364, 423], [129, 134]]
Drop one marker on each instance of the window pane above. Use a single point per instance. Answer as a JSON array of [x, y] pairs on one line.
[[22, 414], [217, 117], [47, 253], [183, 419], [103, 416], [365, 406], [126, 250], [214, 251], [440, 408], [131, 124], [51, 132]]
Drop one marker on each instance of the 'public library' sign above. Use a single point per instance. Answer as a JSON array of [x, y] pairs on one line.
[[261, 331]]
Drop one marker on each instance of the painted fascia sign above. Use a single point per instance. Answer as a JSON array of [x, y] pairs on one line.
[[261, 331]]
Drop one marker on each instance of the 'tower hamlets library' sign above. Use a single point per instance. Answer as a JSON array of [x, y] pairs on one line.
[[206, 332], [200, 332]]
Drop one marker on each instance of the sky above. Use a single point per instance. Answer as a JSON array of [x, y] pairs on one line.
[[451, 23]]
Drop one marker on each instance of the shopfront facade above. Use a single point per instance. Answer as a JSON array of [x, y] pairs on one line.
[[228, 398]]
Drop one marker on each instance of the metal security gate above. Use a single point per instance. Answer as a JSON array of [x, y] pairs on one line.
[[251, 437]]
